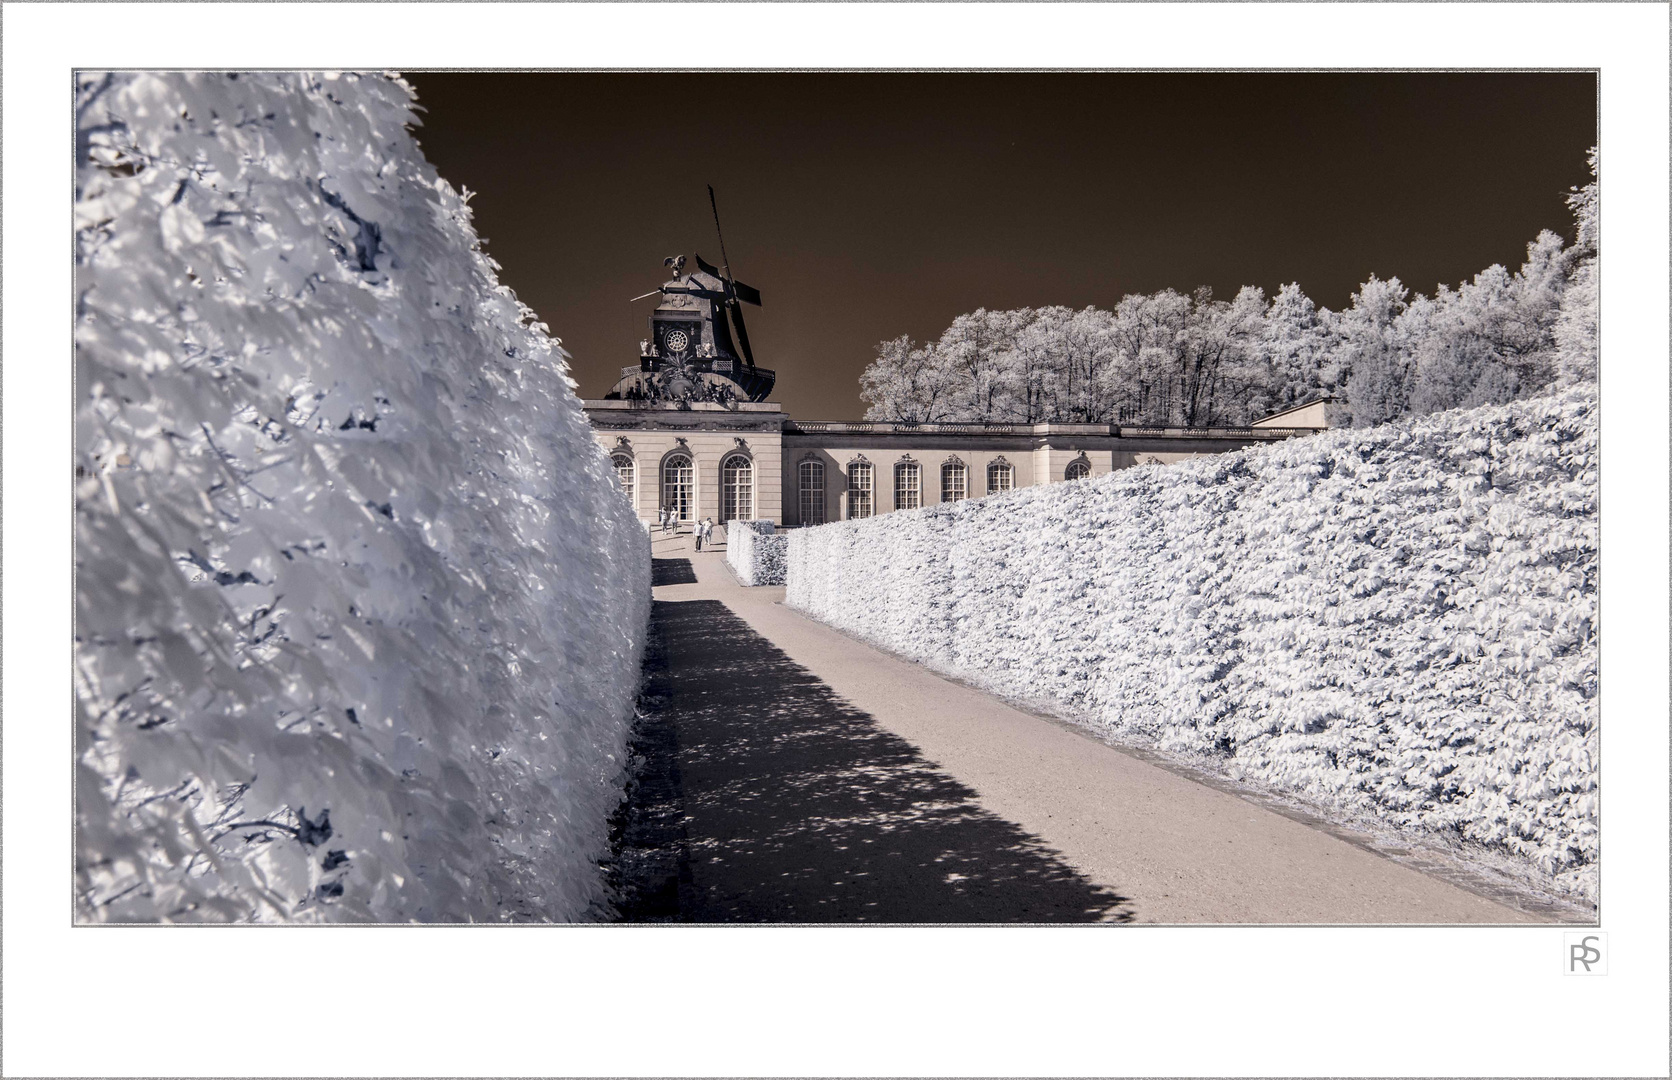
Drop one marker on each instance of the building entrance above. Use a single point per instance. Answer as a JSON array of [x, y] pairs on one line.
[[679, 486]]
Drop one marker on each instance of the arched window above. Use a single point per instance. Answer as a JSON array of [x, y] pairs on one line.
[[624, 472], [812, 492], [679, 485], [1000, 477], [860, 484], [908, 486], [955, 482], [1077, 470], [737, 497]]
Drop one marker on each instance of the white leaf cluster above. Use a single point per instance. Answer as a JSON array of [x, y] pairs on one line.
[[1170, 359], [755, 552], [360, 610], [1395, 624], [1576, 323]]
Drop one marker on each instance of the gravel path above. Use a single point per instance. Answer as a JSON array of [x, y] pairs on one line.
[[793, 774]]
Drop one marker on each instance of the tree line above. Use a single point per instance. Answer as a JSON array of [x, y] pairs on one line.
[[1171, 359]]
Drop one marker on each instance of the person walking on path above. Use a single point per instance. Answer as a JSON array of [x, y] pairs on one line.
[[701, 531]]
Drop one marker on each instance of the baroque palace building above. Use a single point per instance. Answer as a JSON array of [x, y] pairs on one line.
[[689, 427]]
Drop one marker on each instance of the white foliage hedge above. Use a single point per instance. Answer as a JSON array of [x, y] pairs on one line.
[[756, 552], [1398, 623], [360, 610]]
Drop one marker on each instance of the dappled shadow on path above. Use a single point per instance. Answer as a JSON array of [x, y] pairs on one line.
[[672, 572], [761, 796]]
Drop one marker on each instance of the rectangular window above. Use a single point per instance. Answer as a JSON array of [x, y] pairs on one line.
[[812, 492], [908, 486], [859, 490], [624, 473], [1000, 477], [954, 482], [738, 490]]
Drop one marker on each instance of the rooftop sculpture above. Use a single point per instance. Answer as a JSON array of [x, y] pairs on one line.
[[698, 348]]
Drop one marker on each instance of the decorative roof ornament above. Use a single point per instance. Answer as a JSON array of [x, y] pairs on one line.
[[698, 349]]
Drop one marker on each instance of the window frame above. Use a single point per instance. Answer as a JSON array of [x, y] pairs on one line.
[[626, 474], [735, 495], [1001, 469], [670, 490], [868, 492], [955, 481], [1078, 463], [810, 508], [904, 469]]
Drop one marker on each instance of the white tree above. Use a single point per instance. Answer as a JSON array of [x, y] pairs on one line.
[[1144, 337], [1213, 355], [1576, 329], [1294, 342], [1446, 367], [1166, 358], [1493, 340], [1368, 360], [1242, 367], [1528, 333], [905, 384], [1087, 351], [973, 352], [1035, 369]]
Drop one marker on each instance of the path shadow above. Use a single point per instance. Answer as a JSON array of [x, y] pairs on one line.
[[759, 795], [672, 572]]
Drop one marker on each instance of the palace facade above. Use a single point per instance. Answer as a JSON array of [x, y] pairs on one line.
[[689, 428]]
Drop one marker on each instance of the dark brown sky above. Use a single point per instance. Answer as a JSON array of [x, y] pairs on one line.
[[865, 206]]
